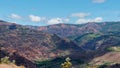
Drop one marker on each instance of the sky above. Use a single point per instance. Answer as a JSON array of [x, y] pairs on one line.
[[48, 12]]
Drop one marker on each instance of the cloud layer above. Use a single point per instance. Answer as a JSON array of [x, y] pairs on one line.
[[81, 18], [97, 19], [57, 20], [34, 18]]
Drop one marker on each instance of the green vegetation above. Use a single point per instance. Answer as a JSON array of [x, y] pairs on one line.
[[50, 63], [106, 64], [114, 49], [55, 63], [81, 40]]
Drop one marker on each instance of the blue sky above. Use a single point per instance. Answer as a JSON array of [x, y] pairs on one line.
[[47, 12]]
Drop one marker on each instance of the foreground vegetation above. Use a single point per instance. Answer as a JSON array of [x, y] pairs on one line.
[[6, 63]]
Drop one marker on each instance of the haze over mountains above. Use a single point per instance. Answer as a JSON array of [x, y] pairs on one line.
[[96, 40]]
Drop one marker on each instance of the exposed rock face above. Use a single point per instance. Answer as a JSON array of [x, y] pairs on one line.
[[108, 57], [66, 30], [27, 45]]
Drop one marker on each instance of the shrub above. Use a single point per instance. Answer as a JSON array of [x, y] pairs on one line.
[[67, 63], [5, 60]]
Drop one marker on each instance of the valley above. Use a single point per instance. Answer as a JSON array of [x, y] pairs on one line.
[[91, 44]]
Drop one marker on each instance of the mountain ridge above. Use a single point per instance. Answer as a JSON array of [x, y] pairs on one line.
[[82, 43], [33, 44], [66, 30]]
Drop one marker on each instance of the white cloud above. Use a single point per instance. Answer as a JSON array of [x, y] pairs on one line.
[[57, 21], [97, 19], [15, 16], [81, 15], [98, 1], [34, 18]]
